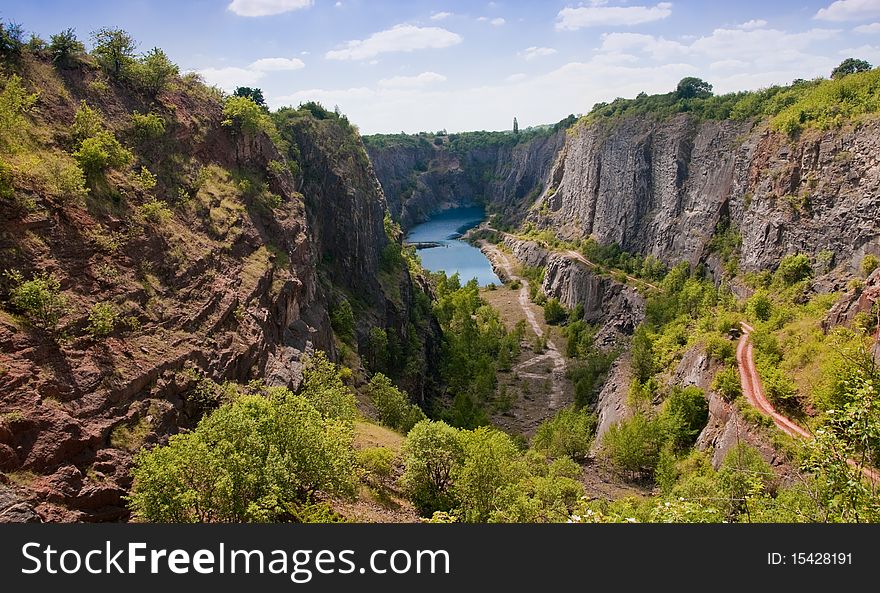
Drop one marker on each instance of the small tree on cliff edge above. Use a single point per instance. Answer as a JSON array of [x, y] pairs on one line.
[[850, 66], [515, 126], [692, 88]]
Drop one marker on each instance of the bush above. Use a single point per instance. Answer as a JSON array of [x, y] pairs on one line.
[[431, 452], [256, 459], [15, 103], [156, 211], [100, 152], [87, 123], [760, 306], [342, 320], [491, 464], [393, 405], [869, 263], [727, 383], [721, 349], [324, 389], [39, 299], [633, 445], [102, 320], [376, 463], [64, 47], [154, 70], [114, 50], [794, 268], [569, 433], [684, 415], [643, 365], [147, 126], [554, 312]]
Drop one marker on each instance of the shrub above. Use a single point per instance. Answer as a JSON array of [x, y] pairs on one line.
[[323, 387], [491, 464], [39, 299], [376, 463], [64, 47], [684, 415], [102, 320], [431, 452], [554, 312], [727, 383], [87, 123], [15, 103], [342, 320], [794, 268], [255, 459], [156, 211], [869, 263], [100, 152], [643, 364], [760, 306], [393, 405], [154, 70], [148, 126], [721, 349], [569, 433], [633, 445]]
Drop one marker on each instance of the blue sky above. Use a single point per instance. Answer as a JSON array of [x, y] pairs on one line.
[[428, 64]]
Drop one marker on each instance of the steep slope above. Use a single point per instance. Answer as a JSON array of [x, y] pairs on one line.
[[218, 269]]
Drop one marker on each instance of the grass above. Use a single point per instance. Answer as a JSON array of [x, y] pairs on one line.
[[369, 434], [131, 437]]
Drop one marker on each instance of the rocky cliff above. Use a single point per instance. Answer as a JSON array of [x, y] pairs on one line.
[[421, 177], [224, 267], [663, 187]]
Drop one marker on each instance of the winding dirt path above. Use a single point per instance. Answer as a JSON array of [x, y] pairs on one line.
[[499, 259], [753, 391]]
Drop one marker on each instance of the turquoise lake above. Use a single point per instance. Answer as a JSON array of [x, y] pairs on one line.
[[453, 255]]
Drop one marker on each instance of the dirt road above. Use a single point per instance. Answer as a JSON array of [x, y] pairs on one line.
[[530, 312], [753, 391]]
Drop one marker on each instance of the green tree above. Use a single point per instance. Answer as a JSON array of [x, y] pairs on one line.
[[569, 433], [323, 387], [633, 445], [64, 47], [727, 383], [850, 66], [393, 405], [40, 298], [256, 459], [87, 123], [342, 320], [684, 415], [642, 355], [743, 475], [254, 94], [101, 152], [794, 268], [693, 88], [102, 319], [115, 49], [11, 39], [491, 465], [869, 263], [155, 70], [431, 451], [515, 126], [554, 312]]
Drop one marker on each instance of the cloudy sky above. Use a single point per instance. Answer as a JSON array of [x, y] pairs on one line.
[[416, 65]]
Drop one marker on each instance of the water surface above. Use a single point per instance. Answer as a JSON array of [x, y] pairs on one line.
[[453, 255]]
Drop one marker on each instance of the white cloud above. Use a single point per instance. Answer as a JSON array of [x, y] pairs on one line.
[[872, 28], [277, 64], [400, 38], [231, 77], [849, 10], [597, 14], [267, 7], [439, 16], [530, 53], [421, 80], [752, 24], [497, 22], [516, 77], [865, 52]]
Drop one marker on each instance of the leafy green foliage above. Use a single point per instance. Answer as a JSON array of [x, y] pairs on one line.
[[87, 123], [64, 47], [324, 389], [794, 268], [684, 414], [692, 87], [39, 299], [727, 383], [342, 320], [147, 126], [114, 49], [491, 463], [393, 405], [850, 66], [154, 70], [15, 104], [642, 352], [633, 445], [569, 433], [554, 313], [244, 116], [254, 94], [869, 263], [102, 320], [101, 152], [256, 459], [431, 451]]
